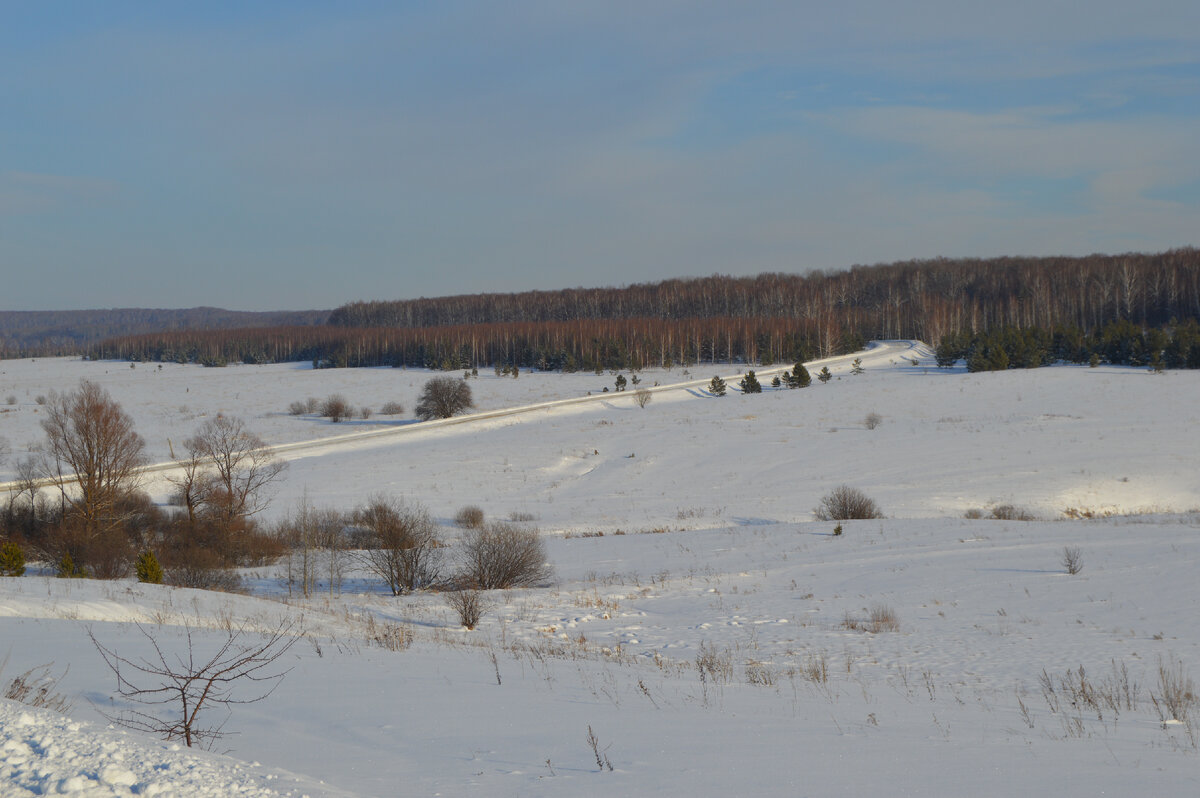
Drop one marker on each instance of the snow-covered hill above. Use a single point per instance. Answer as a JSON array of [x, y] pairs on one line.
[[715, 639]]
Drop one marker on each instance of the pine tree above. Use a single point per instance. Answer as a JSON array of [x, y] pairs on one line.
[[12, 560], [776, 382], [147, 568], [749, 383], [717, 387], [856, 366], [823, 375], [799, 378], [620, 382]]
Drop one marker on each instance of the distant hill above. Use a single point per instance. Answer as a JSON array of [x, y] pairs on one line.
[[46, 333]]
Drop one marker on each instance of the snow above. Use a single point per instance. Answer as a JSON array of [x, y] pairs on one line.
[[708, 553]]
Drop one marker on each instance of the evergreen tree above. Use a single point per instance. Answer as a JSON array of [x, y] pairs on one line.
[[823, 375], [776, 382], [147, 568], [750, 384], [856, 366], [620, 382], [12, 560], [799, 378], [717, 387]]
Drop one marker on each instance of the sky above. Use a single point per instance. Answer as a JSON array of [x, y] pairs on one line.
[[295, 155]]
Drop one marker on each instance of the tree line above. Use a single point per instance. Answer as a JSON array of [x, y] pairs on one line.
[[765, 319]]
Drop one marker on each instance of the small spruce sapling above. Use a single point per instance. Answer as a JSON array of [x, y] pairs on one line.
[[824, 375], [148, 569], [717, 387], [12, 559]]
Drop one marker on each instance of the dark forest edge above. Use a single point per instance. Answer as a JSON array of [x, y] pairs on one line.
[[1035, 310]]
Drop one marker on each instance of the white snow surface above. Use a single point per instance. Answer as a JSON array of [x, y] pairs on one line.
[[709, 554]]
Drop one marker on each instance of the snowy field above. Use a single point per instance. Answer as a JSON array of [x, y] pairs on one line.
[[713, 636]]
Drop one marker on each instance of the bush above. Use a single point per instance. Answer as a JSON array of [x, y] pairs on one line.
[[443, 397], [642, 397], [1010, 512], [470, 605], [469, 517], [401, 545], [845, 503], [1072, 560], [297, 408], [335, 408], [872, 420], [501, 555], [12, 560], [392, 409], [147, 568]]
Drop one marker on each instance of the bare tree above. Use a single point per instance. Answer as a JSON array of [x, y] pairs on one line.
[[92, 455], [642, 396], [244, 465], [193, 683], [194, 486], [443, 397], [401, 546]]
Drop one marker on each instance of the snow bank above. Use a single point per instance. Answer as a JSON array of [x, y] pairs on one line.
[[43, 753]]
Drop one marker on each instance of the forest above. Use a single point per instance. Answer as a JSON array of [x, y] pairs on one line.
[[768, 318]]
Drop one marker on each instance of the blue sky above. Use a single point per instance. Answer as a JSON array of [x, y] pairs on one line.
[[285, 155]]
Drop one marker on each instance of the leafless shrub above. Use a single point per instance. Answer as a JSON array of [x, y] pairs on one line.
[[311, 404], [1072, 560], [298, 408], [37, 687], [642, 396], [713, 664], [872, 420], [1010, 512], [973, 514], [11, 399], [501, 555], [844, 503], [469, 517], [193, 683], [391, 409], [401, 542], [1176, 696], [470, 605], [40, 399], [521, 518], [364, 413], [336, 408]]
